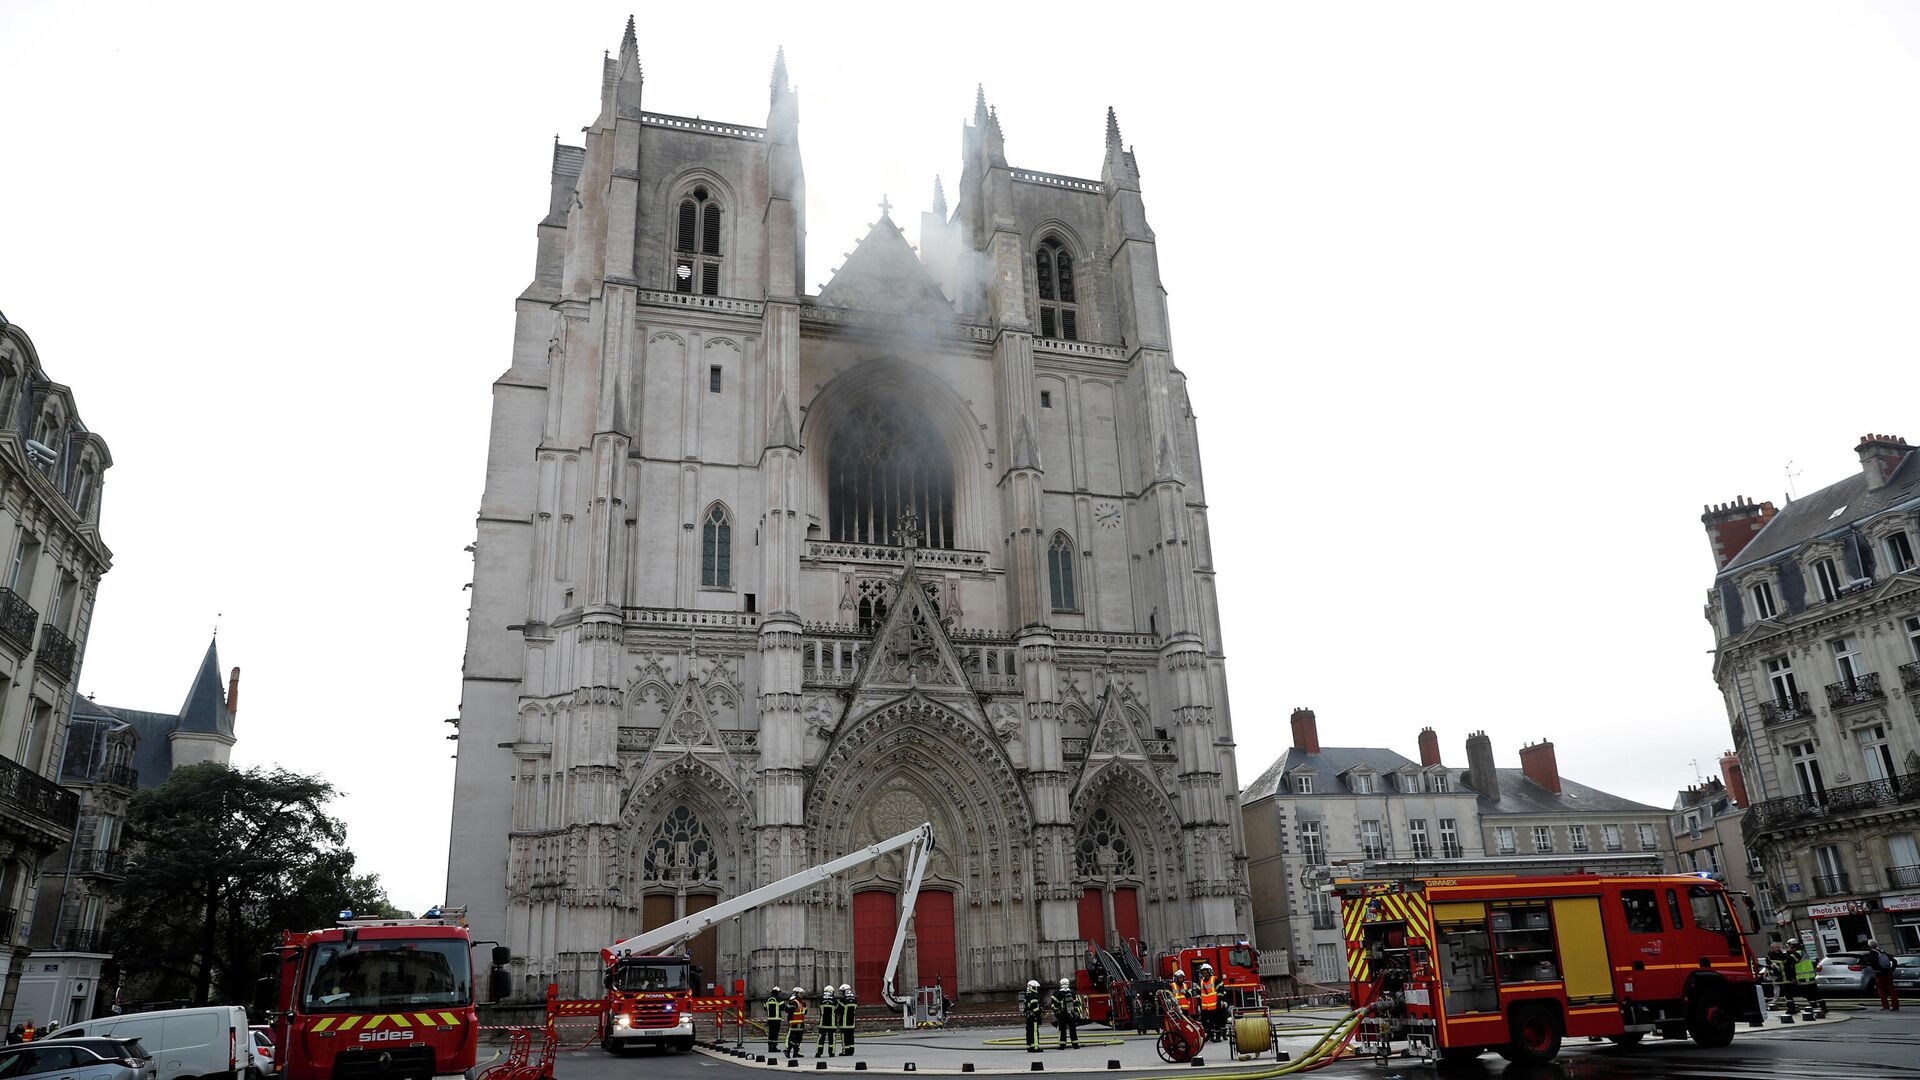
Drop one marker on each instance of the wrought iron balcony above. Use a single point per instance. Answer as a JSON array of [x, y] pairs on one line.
[[1323, 920], [1855, 691], [94, 861], [1786, 710], [27, 794], [17, 620], [1910, 676], [1903, 877], [56, 652], [1836, 885], [1784, 813], [125, 776], [74, 940]]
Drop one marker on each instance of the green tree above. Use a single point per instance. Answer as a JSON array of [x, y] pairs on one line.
[[220, 860]]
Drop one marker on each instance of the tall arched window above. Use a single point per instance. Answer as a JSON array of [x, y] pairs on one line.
[[696, 245], [1060, 572], [680, 849], [1053, 267], [885, 460], [716, 548], [1103, 849]]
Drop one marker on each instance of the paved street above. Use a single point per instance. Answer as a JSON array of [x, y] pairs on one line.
[[1861, 1042]]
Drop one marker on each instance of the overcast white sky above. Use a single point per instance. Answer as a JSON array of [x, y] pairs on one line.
[[1479, 304]]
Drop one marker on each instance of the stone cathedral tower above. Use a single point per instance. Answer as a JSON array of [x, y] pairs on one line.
[[762, 576]]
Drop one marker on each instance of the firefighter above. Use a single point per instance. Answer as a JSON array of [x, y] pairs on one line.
[[829, 1023], [1802, 968], [794, 1015], [1178, 988], [27, 1034], [1213, 1011], [849, 1008], [1066, 1015], [1776, 971], [1030, 1008], [774, 1004]]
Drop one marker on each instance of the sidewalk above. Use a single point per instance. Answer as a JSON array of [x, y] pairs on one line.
[[1002, 1049]]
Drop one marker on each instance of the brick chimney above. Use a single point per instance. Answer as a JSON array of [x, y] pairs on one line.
[[1306, 733], [233, 693], [1480, 771], [1735, 780], [1429, 747], [1880, 457], [1731, 525], [1538, 765]]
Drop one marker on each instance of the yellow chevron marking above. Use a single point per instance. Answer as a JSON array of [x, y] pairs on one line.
[[449, 1018], [325, 1023], [401, 1020], [347, 1024], [426, 1019]]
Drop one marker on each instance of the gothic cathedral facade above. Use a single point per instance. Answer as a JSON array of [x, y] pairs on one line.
[[764, 576]]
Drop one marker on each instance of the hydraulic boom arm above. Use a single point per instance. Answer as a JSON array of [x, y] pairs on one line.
[[919, 842]]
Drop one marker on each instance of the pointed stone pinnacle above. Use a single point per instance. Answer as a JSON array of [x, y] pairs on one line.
[[628, 39], [939, 196], [1113, 128], [979, 104], [780, 68]]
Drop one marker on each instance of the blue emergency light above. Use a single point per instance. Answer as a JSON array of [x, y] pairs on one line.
[[347, 914]]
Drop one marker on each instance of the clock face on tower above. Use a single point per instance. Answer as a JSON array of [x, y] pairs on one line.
[[1108, 515]]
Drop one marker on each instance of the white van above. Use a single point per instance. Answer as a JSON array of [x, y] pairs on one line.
[[211, 1042]]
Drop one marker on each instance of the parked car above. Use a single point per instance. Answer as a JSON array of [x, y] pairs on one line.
[[262, 1052], [1906, 972], [1843, 973], [97, 1059], [209, 1041]]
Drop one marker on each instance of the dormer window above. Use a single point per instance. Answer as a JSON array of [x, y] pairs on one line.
[[1303, 783], [1899, 552], [1361, 783], [1827, 577], [1761, 592], [696, 247], [1053, 270]]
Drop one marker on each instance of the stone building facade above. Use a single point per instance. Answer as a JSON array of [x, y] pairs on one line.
[[1705, 825], [51, 473], [762, 576], [1322, 813], [1815, 608]]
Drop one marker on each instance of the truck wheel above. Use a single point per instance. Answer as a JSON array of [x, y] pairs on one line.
[[1709, 1020], [1454, 1056], [1629, 1038], [1536, 1035], [683, 1045]]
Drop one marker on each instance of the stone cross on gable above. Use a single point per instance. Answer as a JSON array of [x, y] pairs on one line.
[[885, 206]]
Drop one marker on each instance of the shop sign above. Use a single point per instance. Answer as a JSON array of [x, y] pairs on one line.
[[1909, 902], [1830, 911]]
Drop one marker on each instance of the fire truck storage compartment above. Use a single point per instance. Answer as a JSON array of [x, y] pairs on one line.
[[1466, 959]]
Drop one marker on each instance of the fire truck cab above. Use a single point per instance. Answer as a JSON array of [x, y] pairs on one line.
[[1515, 964], [650, 999], [375, 998]]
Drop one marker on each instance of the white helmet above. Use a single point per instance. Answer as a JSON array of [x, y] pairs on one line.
[[1065, 983], [1179, 974], [846, 989], [799, 990], [1033, 984], [1206, 967], [776, 989]]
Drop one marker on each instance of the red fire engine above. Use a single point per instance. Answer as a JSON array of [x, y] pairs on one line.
[[384, 999], [650, 991], [1459, 966], [1115, 984]]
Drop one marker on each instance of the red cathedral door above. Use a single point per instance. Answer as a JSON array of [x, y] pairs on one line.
[[873, 926], [933, 935], [1093, 920], [656, 911], [1126, 913]]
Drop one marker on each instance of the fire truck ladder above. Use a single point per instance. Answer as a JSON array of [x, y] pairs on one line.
[[919, 846]]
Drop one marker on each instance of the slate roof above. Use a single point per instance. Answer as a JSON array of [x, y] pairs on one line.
[[1328, 766], [204, 712], [1813, 516], [205, 709], [1519, 795], [86, 751]]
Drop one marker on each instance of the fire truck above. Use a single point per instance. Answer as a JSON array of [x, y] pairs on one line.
[[1459, 966], [650, 989], [1116, 984], [375, 999]]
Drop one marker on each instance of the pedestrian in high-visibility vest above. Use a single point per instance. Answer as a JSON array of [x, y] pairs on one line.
[[1030, 1006], [794, 1014], [26, 1034], [1803, 977], [775, 1003], [849, 1010]]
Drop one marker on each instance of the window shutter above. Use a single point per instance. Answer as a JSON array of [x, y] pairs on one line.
[[686, 226], [1064, 260], [1736, 615], [1068, 329], [710, 231], [682, 275], [710, 280], [1046, 322], [1793, 587], [1043, 269]]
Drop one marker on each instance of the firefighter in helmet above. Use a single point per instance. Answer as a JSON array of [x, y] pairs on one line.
[[1178, 988], [1030, 1006], [849, 1006], [1066, 1015], [829, 1023], [794, 1015], [775, 1003]]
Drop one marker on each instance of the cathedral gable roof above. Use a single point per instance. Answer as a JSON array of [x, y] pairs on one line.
[[911, 652], [205, 711], [883, 274]]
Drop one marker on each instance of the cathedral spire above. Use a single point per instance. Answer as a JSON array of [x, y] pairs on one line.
[[939, 198], [629, 45], [779, 73], [1113, 131], [980, 105]]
